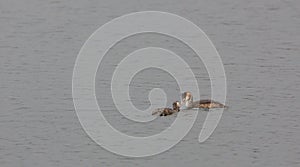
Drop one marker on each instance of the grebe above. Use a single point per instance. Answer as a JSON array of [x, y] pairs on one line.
[[167, 111], [187, 100]]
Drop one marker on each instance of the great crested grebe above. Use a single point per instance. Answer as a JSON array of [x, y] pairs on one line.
[[187, 101], [167, 111]]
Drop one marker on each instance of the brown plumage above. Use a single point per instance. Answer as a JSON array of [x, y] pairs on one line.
[[167, 111], [187, 100]]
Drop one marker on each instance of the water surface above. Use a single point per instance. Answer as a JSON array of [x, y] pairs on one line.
[[257, 40]]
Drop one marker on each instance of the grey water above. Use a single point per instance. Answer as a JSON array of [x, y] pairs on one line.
[[258, 42]]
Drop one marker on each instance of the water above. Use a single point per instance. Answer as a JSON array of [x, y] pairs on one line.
[[259, 45]]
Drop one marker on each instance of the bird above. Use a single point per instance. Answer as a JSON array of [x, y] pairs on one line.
[[187, 101], [167, 111]]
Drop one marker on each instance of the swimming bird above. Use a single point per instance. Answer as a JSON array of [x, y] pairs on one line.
[[187, 100], [167, 111]]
